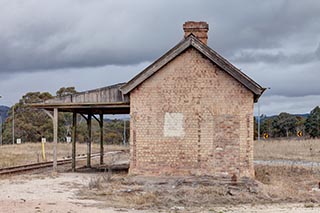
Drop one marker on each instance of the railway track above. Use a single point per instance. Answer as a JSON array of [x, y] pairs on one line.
[[34, 166]]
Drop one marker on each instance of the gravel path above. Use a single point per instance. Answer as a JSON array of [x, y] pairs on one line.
[[40, 193]]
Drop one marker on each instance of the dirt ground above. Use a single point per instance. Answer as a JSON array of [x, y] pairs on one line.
[[43, 193], [277, 189]]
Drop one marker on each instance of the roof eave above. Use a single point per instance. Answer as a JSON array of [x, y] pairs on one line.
[[191, 40], [155, 66]]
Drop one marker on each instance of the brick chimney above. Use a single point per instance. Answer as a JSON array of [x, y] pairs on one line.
[[198, 29]]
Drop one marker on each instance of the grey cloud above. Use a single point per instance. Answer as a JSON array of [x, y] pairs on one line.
[[78, 34], [285, 79], [275, 104], [317, 52], [268, 24], [278, 57], [275, 42], [13, 87], [39, 35]]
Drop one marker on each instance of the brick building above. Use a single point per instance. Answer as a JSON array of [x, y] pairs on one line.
[[192, 112]]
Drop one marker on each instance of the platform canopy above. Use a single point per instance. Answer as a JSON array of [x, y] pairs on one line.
[[101, 101], [105, 100]]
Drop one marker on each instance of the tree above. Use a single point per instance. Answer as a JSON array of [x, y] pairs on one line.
[[285, 125], [266, 126], [30, 123], [312, 124], [114, 131], [65, 118], [282, 125], [63, 91], [300, 124]]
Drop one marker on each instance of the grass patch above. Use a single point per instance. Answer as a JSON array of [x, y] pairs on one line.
[[307, 150], [19, 154]]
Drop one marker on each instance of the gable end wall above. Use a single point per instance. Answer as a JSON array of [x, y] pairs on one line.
[[191, 118]]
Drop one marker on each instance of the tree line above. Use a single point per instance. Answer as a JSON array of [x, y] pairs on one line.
[[31, 124], [290, 125]]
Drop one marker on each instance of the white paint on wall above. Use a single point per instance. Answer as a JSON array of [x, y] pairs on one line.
[[173, 125]]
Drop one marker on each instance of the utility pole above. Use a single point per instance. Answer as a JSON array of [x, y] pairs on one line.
[[0, 126], [124, 132], [258, 121], [0, 129], [259, 118], [13, 124], [55, 139]]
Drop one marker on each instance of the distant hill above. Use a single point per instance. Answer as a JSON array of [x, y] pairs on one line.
[[4, 112], [306, 115]]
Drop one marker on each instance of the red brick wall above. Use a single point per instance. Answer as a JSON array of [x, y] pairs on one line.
[[191, 118]]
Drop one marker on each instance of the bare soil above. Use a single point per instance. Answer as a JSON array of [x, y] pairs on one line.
[[274, 185], [105, 192], [275, 189], [43, 193]]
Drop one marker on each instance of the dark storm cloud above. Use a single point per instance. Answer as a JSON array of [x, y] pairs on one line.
[[276, 42], [268, 24], [47, 35], [61, 34]]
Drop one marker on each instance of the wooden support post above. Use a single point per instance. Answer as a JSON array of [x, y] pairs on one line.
[[101, 139], [55, 138], [74, 138], [89, 141]]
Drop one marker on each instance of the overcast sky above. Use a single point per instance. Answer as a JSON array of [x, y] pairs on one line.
[[47, 44]]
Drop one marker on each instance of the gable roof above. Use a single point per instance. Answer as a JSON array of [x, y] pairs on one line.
[[192, 41]]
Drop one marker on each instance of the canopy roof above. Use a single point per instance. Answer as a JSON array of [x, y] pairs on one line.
[[105, 100]]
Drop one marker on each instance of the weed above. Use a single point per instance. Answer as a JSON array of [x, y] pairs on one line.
[[308, 205], [95, 183]]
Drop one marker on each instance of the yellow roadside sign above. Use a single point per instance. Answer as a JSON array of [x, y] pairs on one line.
[[265, 136]]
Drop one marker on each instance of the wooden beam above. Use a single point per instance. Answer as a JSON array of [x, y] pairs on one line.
[[83, 104], [55, 138], [48, 113], [97, 119], [84, 116], [74, 138], [89, 141], [101, 139]]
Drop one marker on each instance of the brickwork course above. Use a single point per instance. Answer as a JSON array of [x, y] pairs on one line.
[[192, 113]]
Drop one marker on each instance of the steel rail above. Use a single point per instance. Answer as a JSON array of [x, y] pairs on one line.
[[34, 166]]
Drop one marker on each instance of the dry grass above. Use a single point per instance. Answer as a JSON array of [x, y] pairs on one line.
[[19, 154], [308, 150], [276, 184], [289, 184], [139, 192]]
